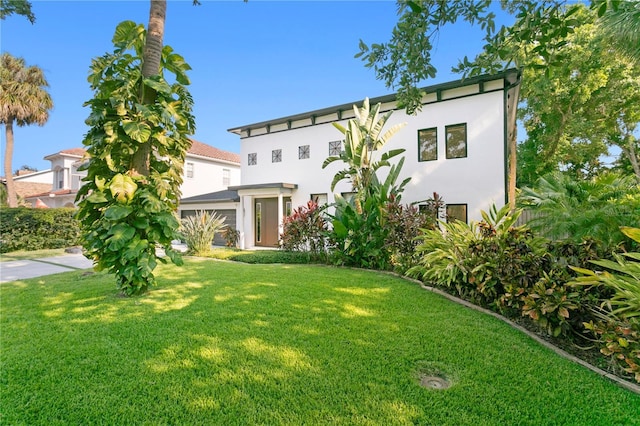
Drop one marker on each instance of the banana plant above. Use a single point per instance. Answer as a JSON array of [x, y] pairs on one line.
[[363, 138]]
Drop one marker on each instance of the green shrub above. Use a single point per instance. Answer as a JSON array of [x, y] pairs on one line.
[[578, 209], [231, 237], [404, 225], [305, 229], [618, 329], [198, 231], [264, 256], [34, 229]]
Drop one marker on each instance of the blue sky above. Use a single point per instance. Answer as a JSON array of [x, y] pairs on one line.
[[251, 61]]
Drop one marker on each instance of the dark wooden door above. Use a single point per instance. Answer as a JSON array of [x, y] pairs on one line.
[[266, 222]]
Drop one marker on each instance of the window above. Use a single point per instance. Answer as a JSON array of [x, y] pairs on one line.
[[287, 208], [226, 177], [320, 199], [335, 148], [252, 159], [348, 196], [457, 212], [190, 167], [60, 179], [456, 140], [276, 156], [428, 144], [258, 222], [303, 152]]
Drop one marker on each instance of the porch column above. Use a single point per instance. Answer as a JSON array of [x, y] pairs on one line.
[[280, 215]]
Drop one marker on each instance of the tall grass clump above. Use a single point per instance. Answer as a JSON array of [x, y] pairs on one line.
[[198, 231]]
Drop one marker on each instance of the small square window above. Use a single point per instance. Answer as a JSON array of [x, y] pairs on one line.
[[276, 156], [303, 152], [428, 144], [456, 140], [457, 212], [335, 148], [252, 159], [190, 169]]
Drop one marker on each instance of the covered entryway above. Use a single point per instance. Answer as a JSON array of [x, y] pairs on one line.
[[262, 208], [266, 220]]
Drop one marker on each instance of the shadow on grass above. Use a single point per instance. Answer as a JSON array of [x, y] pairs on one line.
[[223, 343]]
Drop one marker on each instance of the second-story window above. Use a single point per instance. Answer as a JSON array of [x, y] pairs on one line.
[[335, 147], [189, 170], [226, 177], [252, 159], [303, 152], [276, 156]]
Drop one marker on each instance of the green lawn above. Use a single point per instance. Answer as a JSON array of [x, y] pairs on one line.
[[33, 254], [227, 343]]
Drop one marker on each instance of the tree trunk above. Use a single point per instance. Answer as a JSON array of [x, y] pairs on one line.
[[12, 198], [150, 67]]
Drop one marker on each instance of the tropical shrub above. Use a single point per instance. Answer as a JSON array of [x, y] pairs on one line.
[[404, 224], [357, 239], [34, 229], [618, 330], [305, 229], [136, 143], [442, 254], [231, 237], [358, 234], [199, 230], [580, 209]]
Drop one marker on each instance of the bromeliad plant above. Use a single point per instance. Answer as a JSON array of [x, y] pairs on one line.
[[137, 142]]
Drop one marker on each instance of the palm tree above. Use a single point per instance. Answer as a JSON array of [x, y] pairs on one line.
[[23, 100], [622, 26], [152, 55]]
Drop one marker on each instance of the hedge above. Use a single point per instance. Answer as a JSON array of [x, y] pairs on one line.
[[34, 229]]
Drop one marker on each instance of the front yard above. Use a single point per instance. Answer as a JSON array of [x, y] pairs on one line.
[[227, 343]]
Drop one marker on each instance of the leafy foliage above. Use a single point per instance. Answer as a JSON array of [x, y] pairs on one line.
[[577, 209], [405, 223], [231, 237], [617, 326], [359, 234], [125, 214], [24, 100], [305, 230], [199, 230], [34, 229]]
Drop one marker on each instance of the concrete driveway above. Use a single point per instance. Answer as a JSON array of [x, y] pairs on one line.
[[22, 269]]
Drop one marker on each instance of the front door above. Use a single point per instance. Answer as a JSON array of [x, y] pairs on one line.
[[266, 222]]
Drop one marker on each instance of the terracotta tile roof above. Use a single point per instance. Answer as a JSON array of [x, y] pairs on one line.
[[204, 150], [197, 148], [74, 151]]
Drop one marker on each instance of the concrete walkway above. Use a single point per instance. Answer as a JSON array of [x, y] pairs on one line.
[[14, 270]]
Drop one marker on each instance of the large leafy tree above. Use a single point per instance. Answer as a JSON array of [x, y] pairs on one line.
[[540, 30], [24, 100], [137, 142], [18, 7], [576, 111]]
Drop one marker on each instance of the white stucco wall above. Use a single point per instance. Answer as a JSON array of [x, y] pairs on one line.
[[207, 176], [477, 180]]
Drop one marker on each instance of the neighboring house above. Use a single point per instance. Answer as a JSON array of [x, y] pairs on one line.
[[206, 169], [31, 182], [455, 146], [65, 180]]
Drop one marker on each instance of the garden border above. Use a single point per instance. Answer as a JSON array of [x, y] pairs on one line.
[[620, 382]]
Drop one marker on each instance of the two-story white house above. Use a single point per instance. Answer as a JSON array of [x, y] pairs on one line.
[[207, 169], [455, 146]]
